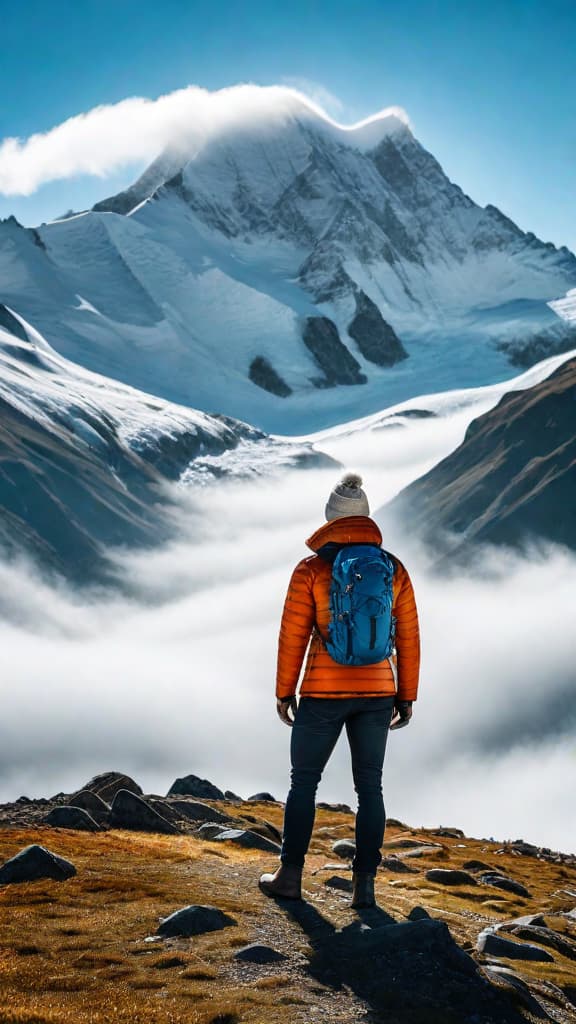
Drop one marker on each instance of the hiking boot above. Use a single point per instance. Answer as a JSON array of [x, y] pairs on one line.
[[363, 889], [285, 882]]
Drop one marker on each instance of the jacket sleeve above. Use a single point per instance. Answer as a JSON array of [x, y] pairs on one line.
[[298, 619], [407, 637]]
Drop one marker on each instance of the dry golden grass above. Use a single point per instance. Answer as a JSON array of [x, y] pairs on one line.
[[75, 952]]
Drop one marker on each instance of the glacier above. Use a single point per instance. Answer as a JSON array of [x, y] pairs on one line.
[[211, 280]]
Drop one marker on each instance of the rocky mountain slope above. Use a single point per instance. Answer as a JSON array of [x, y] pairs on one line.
[[133, 907], [86, 462], [511, 480], [292, 273]]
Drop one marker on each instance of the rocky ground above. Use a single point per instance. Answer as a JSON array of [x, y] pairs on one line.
[[123, 907]]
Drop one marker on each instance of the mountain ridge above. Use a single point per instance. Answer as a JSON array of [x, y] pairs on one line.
[[238, 256]]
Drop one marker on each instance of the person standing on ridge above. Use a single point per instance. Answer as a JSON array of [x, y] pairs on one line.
[[360, 694]]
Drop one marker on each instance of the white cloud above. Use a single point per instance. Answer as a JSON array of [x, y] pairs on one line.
[[316, 92], [179, 676], [103, 140]]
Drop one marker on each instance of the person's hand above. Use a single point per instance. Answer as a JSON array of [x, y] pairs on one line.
[[402, 713], [283, 707]]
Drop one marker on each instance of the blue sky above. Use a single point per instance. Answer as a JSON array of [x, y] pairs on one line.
[[490, 87]]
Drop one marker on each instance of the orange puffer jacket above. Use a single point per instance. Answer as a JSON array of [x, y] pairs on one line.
[[307, 614]]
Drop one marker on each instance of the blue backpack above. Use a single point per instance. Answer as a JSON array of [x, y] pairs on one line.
[[362, 627]]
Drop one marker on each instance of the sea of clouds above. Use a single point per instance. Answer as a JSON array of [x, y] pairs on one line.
[[174, 673]]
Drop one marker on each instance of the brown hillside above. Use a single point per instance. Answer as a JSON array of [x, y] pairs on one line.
[[79, 951]]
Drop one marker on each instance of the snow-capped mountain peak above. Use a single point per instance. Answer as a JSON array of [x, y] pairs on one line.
[[281, 268]]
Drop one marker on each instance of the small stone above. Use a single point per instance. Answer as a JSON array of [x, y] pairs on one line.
[[71, 817], [395, 864], [248, 839], [194, 920], [476, 865], [35, 862], [418, 914], [496, 945], [338, 808], [259, 954], [262, 798], [335, 882], [503, 882], [131, 811], [450, 876], [344, 848], [192, 785]]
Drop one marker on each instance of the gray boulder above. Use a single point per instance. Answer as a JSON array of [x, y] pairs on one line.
[[344, 848], [545, 937], [504, 978], [262, 798], [450, 876], [495, 945], [248, 839], [108, 784], [132, 812], [67, 816], [503, 882], [97, 807], [192, 785], [35, 862], [256, 953], [194, 920], [230, 795], [195, 810]]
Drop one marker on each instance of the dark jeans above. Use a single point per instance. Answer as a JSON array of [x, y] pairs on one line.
[[317, 726]]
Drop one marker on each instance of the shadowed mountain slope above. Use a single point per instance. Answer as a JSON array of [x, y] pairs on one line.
[[513, 478]]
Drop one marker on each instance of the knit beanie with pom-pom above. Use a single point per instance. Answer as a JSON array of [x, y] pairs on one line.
[[347, 499]]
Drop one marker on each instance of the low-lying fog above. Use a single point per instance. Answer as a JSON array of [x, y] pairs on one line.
[[179, 677]]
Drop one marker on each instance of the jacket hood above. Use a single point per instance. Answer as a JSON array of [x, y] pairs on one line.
[[346, 530]]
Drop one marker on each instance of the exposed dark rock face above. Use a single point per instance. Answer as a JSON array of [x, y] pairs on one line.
[[194, 920], [263, 374], [449, 876], [526, 351], [511, 479], [130, 811], [35, 862], [192, 785], [97, 808], [195, 810], [71, 817], [320, 335], [497, 945], [107, 785], [248, 839], [376, 339]]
